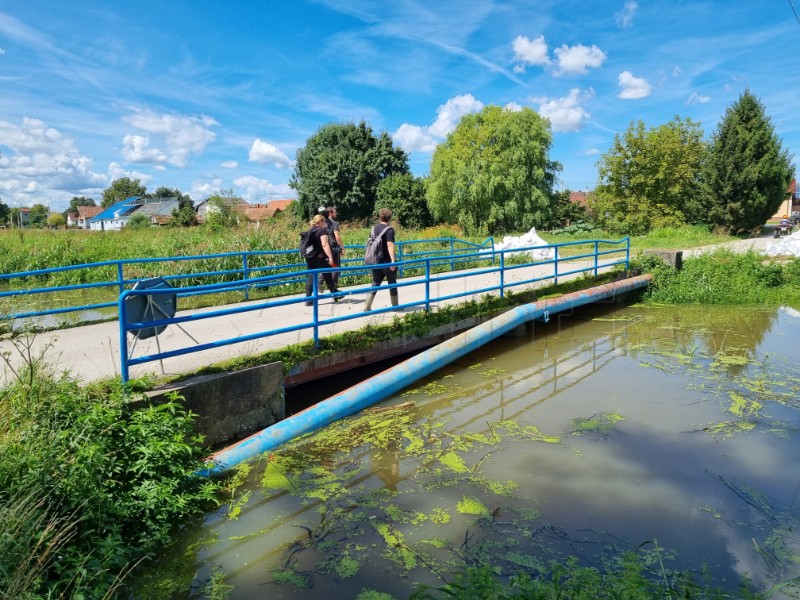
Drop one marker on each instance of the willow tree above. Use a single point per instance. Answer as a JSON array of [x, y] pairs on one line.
[[493, 173], [748, 171]]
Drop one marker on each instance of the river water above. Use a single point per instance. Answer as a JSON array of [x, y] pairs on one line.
[[668, 431]]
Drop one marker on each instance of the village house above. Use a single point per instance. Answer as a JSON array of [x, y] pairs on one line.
[[82, 215]]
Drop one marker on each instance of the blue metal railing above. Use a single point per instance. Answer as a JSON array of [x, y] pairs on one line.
[[249, 267], [489, 261]]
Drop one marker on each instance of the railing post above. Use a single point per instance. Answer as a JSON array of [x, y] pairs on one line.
[[502, 272], [596, 257], [627, 253], [245, 275], [123, 338], [427, 285], [555, 265], [452, 258], [315, 307], [120, 277], [399, 258]]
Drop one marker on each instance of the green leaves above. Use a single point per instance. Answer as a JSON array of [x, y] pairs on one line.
[[342, 164], [492, 174], [748, 171]]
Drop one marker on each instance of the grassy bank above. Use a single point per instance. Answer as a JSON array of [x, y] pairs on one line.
[[89, 488], [725, 277], [31, 250]]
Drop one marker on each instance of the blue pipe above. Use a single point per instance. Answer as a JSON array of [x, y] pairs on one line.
[[396, 378]]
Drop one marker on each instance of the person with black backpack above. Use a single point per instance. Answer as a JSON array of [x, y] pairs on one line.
[[380, 248], [318, 255]]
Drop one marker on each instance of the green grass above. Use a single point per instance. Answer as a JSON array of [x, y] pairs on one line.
[[725, 277], [89, 486]]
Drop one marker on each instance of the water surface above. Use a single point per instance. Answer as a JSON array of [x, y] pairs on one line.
[[671, 432]]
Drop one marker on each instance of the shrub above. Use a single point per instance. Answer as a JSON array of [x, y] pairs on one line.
[[89, 474]]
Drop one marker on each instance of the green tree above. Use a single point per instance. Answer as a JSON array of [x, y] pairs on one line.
[[748, 171], [122, 189], [14, 216], [183, 217], [38, 215], [56, 220], [184, 200], [405, 195], [566, 212], [343, 163], [79, 201], [138, 221], [5, 213], [493, 174], [221, 213], [651, 178]]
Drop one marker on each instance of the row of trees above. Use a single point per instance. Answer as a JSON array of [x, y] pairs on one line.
[[668, 175], [493, 175]]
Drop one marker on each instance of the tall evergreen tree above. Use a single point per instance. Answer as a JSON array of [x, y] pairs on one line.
[[748, 171]]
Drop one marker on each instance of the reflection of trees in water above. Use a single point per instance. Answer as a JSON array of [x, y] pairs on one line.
[[722, 330]]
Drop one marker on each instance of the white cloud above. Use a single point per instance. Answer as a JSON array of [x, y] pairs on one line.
[[256, 190], [592, 151], [677, 71], [416, 138], [624, 17], [117, 171], [181, 135], [2, 51], [633, 88], [577, 59], [263, 152], [530, 52], [136, 149], [229, 164], [40, 163], [696, 98], [202, 190], [565, 114]]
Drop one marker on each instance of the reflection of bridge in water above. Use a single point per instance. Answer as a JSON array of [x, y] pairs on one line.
[[510, 395]]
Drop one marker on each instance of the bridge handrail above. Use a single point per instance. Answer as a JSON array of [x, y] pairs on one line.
[[499, 261], [245, 269]]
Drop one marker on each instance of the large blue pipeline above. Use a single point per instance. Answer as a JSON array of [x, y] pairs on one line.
[[396, 378]]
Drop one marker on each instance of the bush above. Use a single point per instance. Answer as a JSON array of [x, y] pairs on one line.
[[93, 477]]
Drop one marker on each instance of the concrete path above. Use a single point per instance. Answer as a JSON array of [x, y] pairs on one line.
[[92, 352]]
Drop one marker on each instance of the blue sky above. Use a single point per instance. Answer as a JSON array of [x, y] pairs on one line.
[[207, 96]]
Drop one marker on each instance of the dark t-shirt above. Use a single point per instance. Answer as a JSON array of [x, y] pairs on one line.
[[332, 226], [387, 237], [316, 234]]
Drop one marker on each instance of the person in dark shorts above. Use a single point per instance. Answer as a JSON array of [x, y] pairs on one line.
[[389, 273]]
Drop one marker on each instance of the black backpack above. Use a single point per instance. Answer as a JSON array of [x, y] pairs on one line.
[[307, 247]]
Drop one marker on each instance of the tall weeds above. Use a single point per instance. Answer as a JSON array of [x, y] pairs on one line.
[[91, 478]]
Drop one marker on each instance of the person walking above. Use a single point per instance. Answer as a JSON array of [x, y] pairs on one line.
[[321, 258], [386, 233], [334, 237]]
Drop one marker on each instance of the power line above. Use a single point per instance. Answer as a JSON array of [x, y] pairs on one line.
[[794, 11]]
